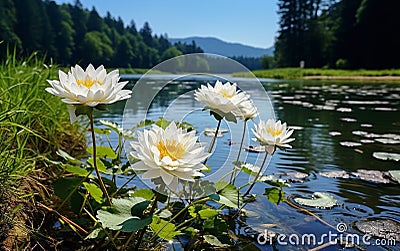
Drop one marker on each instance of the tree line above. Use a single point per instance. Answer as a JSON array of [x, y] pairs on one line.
[[70, 34], [338, 34]]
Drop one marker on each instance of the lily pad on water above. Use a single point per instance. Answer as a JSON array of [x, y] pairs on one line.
[[386, 156], [381, 228], [372, 176], [297, 175], [387, 141], [255, 149], [335, 133], [395, 175], [318, 200], [335, 174], [348, 120], [350, 144]]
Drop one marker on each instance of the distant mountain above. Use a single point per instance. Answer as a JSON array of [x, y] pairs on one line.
[[217, 46]]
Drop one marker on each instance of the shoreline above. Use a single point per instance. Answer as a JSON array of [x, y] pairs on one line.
[[386, 78]]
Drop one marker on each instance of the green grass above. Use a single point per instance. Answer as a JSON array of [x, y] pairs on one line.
[[297, 73], [33, 123]]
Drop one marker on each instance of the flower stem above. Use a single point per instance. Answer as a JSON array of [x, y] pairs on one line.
[[210, 148], [103, 188], [251, 186], [257, 176], [140, 238], [233, 177]]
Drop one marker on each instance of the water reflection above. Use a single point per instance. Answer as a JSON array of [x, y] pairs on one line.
[[325, 114]]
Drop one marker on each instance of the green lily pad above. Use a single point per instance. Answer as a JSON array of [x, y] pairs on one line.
[[211, 239], [318, 200], [386, 156], [119, 216], [274, 195], [227, 194], [163, 228], [387, 141]]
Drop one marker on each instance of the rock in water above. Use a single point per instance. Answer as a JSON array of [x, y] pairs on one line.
[[381, 228]]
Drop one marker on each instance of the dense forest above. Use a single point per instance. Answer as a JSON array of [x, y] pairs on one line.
[[70, 34], [338, 34]]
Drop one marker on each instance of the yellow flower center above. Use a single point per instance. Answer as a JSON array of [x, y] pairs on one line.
[[226, 94], [172, 149], [88, 82], [274, 132]]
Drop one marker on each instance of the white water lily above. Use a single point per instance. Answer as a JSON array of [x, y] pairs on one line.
[[272, 134], [246, 110], [170, 154], [90, 87], [223, 99]]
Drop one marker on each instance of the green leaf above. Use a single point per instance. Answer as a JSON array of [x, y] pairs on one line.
[[250, 169], [100, 165], [208, 213], [120, 212], [76, 170], [96, 233], [138, 209], [111, 125], [134, 224], [274, 195], [102, 131], [144, 193], [144, 123], [227, 194], [319, 200], [194, 210], [186, 126], [164, 229], [163, 123], [68, 157], [94, 191], [64, 186], [103, 152], [212, 240]]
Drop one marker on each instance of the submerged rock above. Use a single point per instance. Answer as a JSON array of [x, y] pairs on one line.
[[381, 228]]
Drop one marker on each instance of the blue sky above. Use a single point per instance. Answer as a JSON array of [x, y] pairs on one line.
[[253, 22]]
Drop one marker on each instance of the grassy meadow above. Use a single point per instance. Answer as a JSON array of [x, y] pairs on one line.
[[299, 73], [33, 125]]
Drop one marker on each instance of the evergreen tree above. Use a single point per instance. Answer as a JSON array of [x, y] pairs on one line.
[[8, 21]]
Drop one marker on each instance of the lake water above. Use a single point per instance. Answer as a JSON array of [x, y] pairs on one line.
[[329, 117]]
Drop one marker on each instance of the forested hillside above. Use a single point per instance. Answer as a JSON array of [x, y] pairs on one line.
[[70, 34], [338, 34]]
